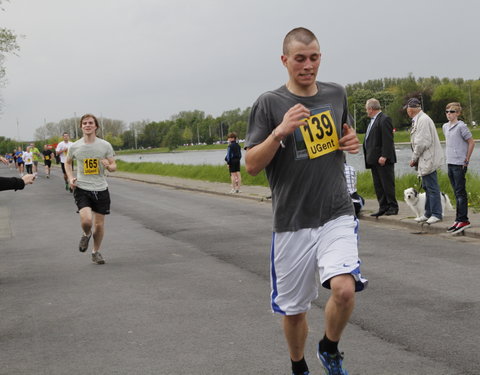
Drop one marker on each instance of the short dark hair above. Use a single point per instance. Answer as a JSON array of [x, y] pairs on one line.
[[232, 135], [299, 34]]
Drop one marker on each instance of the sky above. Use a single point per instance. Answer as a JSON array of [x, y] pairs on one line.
[[135, 60]]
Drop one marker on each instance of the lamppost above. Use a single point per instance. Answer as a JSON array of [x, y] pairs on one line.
[[135, 136], [470, 102], [198, 136], [75, 124], [355, 116]]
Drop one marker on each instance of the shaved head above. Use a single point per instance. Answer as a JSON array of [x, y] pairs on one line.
[[299, 34]]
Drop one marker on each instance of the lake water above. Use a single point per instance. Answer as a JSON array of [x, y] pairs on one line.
[[216, 157]]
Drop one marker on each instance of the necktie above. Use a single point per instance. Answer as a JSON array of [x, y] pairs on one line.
[[369, 127]]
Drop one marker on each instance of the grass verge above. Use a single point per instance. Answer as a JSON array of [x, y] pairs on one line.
[[212, 173], [218, 173]]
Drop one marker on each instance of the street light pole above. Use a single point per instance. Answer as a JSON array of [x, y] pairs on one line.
[[75, 123], [355, 116], [198, 136], [470, 102]]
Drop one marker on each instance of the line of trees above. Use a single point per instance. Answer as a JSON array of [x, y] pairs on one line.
[[434, 93], [186, 127]]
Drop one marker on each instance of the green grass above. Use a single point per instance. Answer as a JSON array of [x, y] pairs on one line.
[[218, 173], [212, 173]]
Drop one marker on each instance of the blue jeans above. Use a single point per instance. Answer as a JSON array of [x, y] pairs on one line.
[[456, 174], [433, 202]]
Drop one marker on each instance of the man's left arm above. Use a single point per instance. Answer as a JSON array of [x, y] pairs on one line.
[[388, 145], [471, 146], [109, 164], [423, 138]]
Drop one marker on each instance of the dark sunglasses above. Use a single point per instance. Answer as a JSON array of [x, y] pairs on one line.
[[450, 111]]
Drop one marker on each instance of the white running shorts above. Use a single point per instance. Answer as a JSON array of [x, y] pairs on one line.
[[302, 259]]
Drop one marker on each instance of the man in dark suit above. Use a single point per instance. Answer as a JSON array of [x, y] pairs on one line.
[[380, 157]]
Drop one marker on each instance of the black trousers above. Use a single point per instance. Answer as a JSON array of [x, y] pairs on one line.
[[384, 185]]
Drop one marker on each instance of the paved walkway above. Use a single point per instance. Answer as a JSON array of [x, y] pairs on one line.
[[260, 193]]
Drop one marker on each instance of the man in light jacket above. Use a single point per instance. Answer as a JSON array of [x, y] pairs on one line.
[[427, 157]]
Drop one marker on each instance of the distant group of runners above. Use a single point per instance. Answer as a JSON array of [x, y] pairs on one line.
[[27, 161]]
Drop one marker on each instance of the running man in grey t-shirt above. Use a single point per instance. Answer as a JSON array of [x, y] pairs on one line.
[[298, 133], [94, 156]]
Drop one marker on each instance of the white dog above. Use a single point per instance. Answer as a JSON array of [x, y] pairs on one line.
[[416, 201]]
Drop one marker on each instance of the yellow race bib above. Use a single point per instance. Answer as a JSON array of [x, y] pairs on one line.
[[320, 134], [91, 166]]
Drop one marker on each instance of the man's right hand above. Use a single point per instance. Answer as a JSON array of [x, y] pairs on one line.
[[293, 119], [28, 179]]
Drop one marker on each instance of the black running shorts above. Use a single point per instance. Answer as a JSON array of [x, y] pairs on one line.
[[234, 166], [98, 201]]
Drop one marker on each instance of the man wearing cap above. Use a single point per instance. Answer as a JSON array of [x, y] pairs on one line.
[[427, 157]]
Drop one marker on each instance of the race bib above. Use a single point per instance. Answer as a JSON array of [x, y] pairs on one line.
[[47, 157], [91, 166], [320, 134]]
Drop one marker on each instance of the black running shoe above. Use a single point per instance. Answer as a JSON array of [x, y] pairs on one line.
[[83, 245]]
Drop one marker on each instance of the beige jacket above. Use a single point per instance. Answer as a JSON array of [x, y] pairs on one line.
[[427, 151]]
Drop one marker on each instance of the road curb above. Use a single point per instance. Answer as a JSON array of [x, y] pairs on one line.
[[263, 194]]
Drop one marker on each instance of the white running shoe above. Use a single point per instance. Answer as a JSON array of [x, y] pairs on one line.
[[433, 220], [421, 219]]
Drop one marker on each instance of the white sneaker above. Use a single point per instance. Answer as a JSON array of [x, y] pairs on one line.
[[421, 219], [433, 220]]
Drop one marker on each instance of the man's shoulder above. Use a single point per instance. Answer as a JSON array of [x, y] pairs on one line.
[[332, 85], [383, 115], [80, 142], [273, 94], [424, 117], [103, 143]]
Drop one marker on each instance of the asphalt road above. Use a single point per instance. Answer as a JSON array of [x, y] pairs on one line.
[[185, 290]]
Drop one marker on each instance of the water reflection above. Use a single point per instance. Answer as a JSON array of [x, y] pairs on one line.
[[216, 157]]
